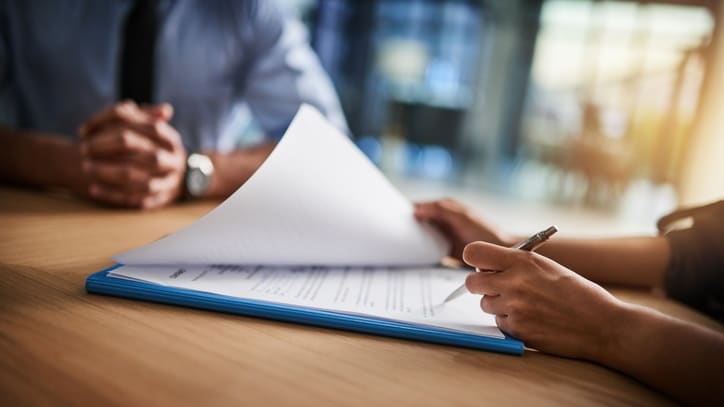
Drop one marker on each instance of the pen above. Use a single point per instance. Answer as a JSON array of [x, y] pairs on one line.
[[528, 244]]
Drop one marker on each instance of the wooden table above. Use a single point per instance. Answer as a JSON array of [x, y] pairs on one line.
[[60, 345]]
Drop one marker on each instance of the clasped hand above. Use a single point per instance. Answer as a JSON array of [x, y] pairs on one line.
[[132, 156]]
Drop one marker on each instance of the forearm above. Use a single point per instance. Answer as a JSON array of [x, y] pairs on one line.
[[636, 261], [232, 169], [38, 159], [681, 359]]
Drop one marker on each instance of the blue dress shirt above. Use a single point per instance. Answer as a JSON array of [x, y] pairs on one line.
[[59, 64]]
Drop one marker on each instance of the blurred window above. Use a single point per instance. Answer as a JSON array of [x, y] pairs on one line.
[[576, 101]]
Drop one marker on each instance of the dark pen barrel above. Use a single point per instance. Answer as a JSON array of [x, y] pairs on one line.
[[537, 239]]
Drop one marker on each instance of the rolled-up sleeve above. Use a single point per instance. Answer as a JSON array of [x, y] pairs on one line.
[[695, 275], [284, 72]]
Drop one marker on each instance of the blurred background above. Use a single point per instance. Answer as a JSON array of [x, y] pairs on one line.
[[604, 109]]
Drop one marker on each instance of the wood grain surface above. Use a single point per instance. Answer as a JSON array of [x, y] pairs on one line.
[[62, 346]]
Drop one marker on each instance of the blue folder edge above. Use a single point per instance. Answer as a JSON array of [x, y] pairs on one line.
[[101, 283]]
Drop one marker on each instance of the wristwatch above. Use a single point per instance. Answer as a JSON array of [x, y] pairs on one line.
[[199, 170]]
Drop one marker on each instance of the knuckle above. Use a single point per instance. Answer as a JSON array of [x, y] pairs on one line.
[[513, 307], [524, 256], [539, 261], [517, 308], [148, 186], [117, 109], [523, 317], [125, 138], [515, 257], [156, 158], [515, 288]]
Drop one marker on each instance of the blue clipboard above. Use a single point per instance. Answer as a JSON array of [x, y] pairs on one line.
[[100, 283]]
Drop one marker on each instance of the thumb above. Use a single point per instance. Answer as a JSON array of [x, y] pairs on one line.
[[488, 256]]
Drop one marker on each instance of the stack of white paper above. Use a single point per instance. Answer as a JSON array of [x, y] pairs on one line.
[[317, 225]]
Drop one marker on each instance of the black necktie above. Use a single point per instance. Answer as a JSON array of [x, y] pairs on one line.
[[139, 43]]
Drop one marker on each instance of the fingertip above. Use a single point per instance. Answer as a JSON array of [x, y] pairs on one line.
[[167, 108], [126, 109], [429, 209], [164, 111]]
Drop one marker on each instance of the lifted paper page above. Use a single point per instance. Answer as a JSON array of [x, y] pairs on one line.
[[316, 200], [410, 295]]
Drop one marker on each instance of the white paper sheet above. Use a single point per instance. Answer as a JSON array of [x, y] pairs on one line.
[[317, 200], [411, 295]]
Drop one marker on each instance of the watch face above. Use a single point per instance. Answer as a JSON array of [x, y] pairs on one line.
[[199, 170], [197, 182]]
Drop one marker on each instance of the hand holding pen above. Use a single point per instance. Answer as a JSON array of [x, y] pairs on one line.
[[529, 244]]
